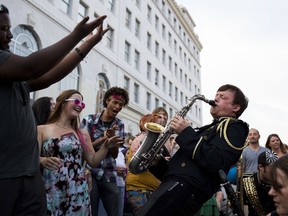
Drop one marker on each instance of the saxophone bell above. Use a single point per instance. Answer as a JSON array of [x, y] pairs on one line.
[[138, 162]]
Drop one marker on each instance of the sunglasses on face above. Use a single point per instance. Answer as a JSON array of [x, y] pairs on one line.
[[77, 102]]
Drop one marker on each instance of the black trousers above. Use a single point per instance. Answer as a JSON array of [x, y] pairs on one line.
[[23, 196], [173, 198]]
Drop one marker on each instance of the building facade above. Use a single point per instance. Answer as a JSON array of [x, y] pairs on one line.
[[151, 50]]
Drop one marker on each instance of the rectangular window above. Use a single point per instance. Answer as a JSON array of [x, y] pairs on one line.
[[148, 71], [156, 102], [169, 39], [65, 6], [163, 31], [127, 51], [148, 101], [170, 64], [82, 11], [128, 18], [156, 49], [164, 83], [163, 57], [156, 77], [137, 28], [110, 38], [156, 23], [137, 60], [176, 94], [170, 88], [111, 5], [126, 83], [149, 13], [148, 41], [136, 93]]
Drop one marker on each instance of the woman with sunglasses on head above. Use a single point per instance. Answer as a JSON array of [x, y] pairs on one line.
[[63, 149]]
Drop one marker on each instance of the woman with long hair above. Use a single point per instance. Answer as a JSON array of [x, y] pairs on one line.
[[275, 144], [63, 149]]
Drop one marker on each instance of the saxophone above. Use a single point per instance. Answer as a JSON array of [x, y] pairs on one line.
[[157, 137]]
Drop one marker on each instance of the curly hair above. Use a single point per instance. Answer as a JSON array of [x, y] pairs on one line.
[[116, 91]]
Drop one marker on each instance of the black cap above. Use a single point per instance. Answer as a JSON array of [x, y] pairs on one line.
[[267, 157]]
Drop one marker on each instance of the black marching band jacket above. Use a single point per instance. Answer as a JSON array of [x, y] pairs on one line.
[[203, 152]]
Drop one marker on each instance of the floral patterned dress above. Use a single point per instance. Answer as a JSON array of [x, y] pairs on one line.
[[66, 188]]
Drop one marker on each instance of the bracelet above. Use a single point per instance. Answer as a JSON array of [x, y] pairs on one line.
[[82, 56]]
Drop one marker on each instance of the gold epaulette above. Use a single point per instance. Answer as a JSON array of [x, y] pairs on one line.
[[251, 192], [222, 129]]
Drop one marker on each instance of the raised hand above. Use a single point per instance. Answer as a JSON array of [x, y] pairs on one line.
[[84, 28]]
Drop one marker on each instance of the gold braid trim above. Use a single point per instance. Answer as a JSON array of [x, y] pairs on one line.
[[251, 192], [222, 128]]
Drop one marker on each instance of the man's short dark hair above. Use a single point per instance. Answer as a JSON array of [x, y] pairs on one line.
[[116, 91], [239, 97]]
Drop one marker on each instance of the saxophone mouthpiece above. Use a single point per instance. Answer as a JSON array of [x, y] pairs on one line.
[[212, 103]]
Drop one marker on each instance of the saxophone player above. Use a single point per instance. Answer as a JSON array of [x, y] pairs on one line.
[[191, 177]]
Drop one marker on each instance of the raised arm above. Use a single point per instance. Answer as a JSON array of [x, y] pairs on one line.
[[69, 62], [17, 68]]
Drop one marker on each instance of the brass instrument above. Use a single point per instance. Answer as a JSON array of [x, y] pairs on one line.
[[152, 145]]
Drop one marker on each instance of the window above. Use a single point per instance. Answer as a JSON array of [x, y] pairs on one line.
[[180, 52], [111, 5], [148, 101], [156, 77], [148, 41], [186, 80], [156, 102], [24, 42], [169, 15], [190, 85], [163, 31], [181, 98], [64, 6], [137, 28], [156, 49], [176, 94], [110, 38], [164, 83], [83, 11], [137, 60], [169, 39], [136, 93], [127, 51], [170, 113], [149, 13], [126, 83], [170, 64], [176, 70], [156, 23], [175, 23], [170, 88], [71, 81], [163, 7], [189, 64], [181, 75], [175, 46], [163, 57], [128, 18], [148, 71]]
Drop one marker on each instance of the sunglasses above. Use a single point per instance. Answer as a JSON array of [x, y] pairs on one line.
[[77, 102]]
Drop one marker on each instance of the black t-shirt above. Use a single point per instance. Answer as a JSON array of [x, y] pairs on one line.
[[19, 151]]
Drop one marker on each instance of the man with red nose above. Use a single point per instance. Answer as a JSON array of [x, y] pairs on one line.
[[191, 177], [100, 126]]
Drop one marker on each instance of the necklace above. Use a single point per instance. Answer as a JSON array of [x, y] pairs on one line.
[[63, 126]]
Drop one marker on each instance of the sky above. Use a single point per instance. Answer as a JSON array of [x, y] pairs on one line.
[[245, 43]]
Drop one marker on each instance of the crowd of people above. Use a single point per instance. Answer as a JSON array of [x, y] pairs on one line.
[[54, 163]]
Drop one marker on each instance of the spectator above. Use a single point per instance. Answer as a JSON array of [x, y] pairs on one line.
[[19, 153]]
